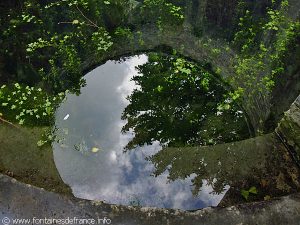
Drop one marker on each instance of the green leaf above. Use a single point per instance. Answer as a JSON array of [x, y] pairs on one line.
[[21, 122], [245, 194], [75, 22], [184, 70], [253, 190], [159, 88], [40, 143]]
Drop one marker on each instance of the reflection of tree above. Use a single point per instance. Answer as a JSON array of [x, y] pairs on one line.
[[219, 165], [177, 103]]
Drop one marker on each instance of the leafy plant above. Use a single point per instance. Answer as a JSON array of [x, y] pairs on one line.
[[161, 12], [48, 136], [52, 39], [260, 61], [28, 105], [246, 193]]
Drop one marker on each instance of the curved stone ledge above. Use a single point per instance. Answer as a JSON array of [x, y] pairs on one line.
[[201, 49], [18, 200], [20, 157]]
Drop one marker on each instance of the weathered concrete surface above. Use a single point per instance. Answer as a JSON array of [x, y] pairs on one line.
[[36, 202], [289, 127], [20, 157]]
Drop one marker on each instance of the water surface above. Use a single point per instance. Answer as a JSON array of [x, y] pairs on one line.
[[90, 156]]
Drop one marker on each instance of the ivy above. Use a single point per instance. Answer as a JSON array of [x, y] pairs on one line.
[[28, 105], [102, 40], [161, 12], [259, 60]]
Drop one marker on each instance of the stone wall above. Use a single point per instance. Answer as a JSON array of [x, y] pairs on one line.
[[289, 128], [21, 158]]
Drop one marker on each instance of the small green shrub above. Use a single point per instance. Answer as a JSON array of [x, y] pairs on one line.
[[28, 105], [246, 193]]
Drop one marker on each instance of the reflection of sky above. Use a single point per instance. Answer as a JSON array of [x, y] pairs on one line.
[[110, 174]]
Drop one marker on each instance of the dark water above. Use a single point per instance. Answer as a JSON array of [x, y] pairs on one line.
[[90, 155]]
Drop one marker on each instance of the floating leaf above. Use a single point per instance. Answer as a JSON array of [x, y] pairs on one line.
[[67, 116], [95, 149]]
